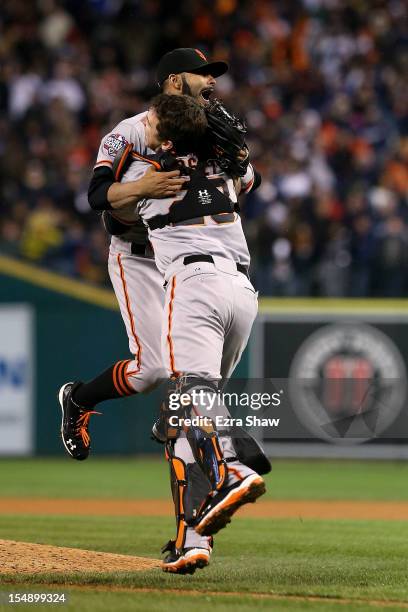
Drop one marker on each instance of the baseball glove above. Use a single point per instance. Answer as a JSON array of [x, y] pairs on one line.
[[226, 136]]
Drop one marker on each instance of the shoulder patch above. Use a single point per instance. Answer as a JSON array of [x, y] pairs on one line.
[[113, 143]]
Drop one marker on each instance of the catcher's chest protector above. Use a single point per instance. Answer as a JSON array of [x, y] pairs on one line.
[[203, 197]]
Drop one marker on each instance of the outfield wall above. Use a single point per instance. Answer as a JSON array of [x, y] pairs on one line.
[[75, 332], [55, 329], [346, 360]]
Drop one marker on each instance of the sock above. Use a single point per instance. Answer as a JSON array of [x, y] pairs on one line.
[[193, 540], [111, 384]]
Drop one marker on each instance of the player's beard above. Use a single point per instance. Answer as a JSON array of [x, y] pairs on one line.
[[186, 89]]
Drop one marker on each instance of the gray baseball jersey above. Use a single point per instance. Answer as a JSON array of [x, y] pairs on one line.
[[131, 130], [219, 235]]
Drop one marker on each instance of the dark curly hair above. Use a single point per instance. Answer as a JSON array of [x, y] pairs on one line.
[[181, 120]]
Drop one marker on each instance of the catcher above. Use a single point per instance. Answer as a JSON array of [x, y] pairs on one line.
[[137, 283]]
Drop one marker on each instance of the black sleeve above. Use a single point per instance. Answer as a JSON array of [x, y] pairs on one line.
[[102, 179], [257, 181]]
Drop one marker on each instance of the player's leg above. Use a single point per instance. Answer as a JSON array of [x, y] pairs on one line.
[[138, 287], [243, 483], [188, 551], [197, 313], [237, 336], [199, 309], [139, 290], [248, 449], [190, 342], [193, 323]]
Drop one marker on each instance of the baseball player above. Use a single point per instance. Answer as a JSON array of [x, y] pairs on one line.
[[137, 283], [210, 305]]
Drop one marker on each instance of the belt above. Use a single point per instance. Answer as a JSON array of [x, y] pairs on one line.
[[195, 258], [142, 250]]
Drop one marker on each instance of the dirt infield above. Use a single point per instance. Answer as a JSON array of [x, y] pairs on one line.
[[24, 557], [302, 509]]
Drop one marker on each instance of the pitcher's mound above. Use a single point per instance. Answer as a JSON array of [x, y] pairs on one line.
[[31, 558]]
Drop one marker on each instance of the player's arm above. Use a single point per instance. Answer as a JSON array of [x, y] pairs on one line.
[[105, 193], [249, 182]]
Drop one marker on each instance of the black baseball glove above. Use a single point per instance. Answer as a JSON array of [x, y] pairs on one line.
[[226, 137]]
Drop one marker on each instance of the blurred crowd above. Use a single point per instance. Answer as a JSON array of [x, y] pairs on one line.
[[321, 84]]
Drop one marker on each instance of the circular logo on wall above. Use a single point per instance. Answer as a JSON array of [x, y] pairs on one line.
[[347, 383]]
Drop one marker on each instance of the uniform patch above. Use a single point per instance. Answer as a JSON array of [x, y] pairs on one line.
[[113, 143]]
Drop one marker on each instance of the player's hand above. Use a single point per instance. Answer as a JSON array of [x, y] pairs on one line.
[[161, 184], [243, 154]]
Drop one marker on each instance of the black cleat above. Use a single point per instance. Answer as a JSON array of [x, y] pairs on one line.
[[185, 561], [218, 510], [74, 425], [159, 431]]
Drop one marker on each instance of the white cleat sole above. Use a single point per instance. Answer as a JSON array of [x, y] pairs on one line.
[[60, 399], [218, 517], [196, 558]]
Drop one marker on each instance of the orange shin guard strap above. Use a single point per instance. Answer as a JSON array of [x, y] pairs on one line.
[[179, 471]]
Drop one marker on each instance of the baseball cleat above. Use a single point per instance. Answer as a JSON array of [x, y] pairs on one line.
[[159, 431], [219, 509], [74, 425], [185, 561]]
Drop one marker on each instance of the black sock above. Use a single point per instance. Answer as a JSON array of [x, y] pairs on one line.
[[111, 384]]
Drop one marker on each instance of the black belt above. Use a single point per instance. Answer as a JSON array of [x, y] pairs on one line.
[[143, 250], [195, 258]]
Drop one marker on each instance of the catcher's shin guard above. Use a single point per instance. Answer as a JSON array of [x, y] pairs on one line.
[[198, 488], [207, 452], [189, 488], [202, 434], [198, 427], [178, 482]]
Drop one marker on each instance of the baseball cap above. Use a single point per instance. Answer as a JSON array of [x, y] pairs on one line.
[[187, 60]]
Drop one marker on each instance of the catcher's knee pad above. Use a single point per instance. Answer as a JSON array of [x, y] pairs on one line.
[[181, 413], [169, 424], [178, 407]]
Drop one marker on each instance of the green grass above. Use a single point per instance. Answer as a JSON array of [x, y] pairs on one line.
[[148, 478], [363, 561], [155, 602], [326, 558]]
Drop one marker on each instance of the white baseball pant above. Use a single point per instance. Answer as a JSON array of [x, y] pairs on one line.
[[138, 287], [209, 312]]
